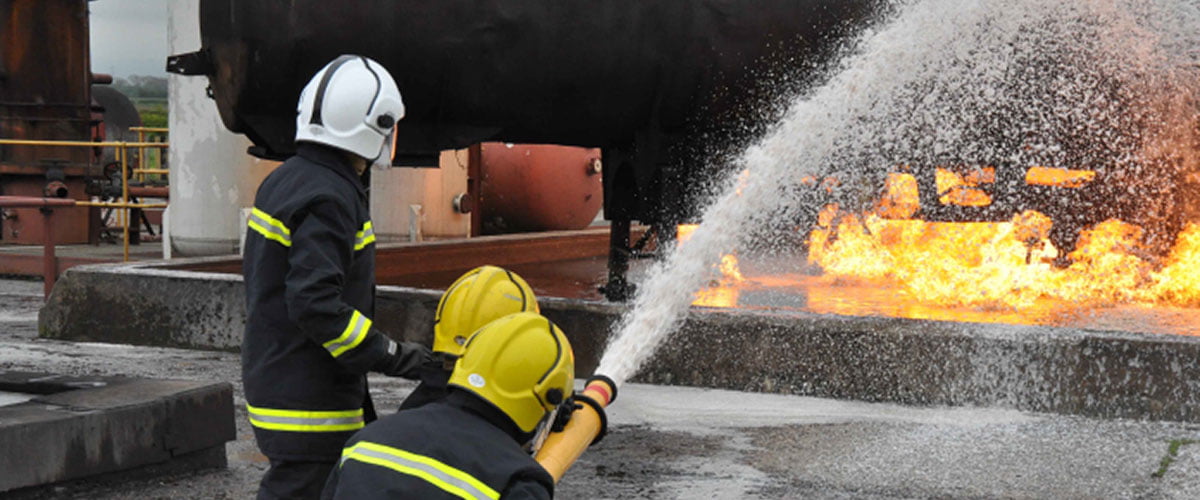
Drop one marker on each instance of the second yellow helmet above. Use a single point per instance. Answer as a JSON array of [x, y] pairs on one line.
[[477, 298], [522, 364]]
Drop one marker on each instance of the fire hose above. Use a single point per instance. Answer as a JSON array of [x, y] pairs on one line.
[[587, 426]]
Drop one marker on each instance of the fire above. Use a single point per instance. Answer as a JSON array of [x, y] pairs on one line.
[[729, 269], [998, 266], [962, 189], [1059, 177], [1179, 280], [722, 292], [887, 261]]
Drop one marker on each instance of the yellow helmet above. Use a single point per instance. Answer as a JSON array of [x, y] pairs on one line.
[[521, 363], [480, 296]]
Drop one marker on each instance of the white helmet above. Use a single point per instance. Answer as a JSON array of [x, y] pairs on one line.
[[351, 104]]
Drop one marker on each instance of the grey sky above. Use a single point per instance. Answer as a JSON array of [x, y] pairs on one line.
[[129, 37]]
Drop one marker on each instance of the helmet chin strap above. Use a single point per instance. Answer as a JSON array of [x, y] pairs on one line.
[[387, 145], [375, 161]]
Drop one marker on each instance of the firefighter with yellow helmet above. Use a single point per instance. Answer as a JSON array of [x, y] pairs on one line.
[[512, 375], [478, 297]]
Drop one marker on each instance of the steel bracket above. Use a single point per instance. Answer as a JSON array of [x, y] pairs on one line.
[[191, 63]]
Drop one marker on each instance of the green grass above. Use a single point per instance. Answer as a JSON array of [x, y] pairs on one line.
[[153, 111], [1169, 458], [154, 114]]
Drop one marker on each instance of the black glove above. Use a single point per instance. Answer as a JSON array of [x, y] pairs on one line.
[[404, 360], [565, 409]]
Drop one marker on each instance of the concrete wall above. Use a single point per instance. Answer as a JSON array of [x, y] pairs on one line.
[[1060, 370]]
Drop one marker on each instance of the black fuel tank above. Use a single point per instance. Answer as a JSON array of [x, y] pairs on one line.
[[590, 73]]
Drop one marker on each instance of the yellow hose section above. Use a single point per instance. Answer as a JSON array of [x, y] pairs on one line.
[[562, 449]]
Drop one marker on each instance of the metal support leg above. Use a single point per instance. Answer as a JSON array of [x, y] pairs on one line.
[[618, 288], [49, 259]]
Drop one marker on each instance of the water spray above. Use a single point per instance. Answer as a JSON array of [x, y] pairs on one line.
[[587, 427]]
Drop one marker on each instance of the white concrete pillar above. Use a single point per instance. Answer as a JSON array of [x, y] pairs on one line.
[[212, 177]]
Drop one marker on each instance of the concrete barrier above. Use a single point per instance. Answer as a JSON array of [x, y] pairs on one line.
[[1059, 370], [78, 427]]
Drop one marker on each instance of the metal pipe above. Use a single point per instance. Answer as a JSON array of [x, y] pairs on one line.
[[149, 192], [125, 199], [587, 427], [108, 204], [49, 259], [34, 202], [104, 144], [141, 154]]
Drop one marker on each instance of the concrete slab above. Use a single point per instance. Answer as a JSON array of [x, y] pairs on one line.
[[1049, 369], [81, 426], [676, 442]]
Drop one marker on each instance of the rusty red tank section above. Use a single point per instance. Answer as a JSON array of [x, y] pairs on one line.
[[539, 187], [45, 82]]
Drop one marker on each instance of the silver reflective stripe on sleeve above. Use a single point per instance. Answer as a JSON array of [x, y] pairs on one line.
[[356, 330], [364, 237], [269, 227]]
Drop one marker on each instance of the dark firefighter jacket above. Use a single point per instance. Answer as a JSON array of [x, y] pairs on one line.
[[457, 447], [434, 379], [309, 269]]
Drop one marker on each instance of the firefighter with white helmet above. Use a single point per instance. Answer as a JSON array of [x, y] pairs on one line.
[[505, 388], [476, 298], [309, 271]]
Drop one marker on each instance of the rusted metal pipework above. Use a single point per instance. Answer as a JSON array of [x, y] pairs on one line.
[[46, 207], [44, 77], [45, 94]]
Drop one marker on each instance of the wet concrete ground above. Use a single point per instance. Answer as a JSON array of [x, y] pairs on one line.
[[670, 442]]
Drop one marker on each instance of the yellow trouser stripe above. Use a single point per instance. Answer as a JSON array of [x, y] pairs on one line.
[[269, 227], [364, 237], [304, 420], [356, 330], [433, 471]]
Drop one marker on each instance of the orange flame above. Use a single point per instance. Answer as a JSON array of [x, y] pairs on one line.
[[1058, 177], [956, 188], [719, 293], [1006, 265], [729, 269], [975, 271]]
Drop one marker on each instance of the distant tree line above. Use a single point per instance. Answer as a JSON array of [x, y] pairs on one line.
[[142, 86]]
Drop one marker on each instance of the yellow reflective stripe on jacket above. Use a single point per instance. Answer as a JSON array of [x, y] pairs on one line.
[[305, 420], [269, 227], [433, 471], [356, 330], [364, 237]]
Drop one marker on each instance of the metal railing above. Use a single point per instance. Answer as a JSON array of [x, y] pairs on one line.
[[143, 133], [122, 149], [49, 259]]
